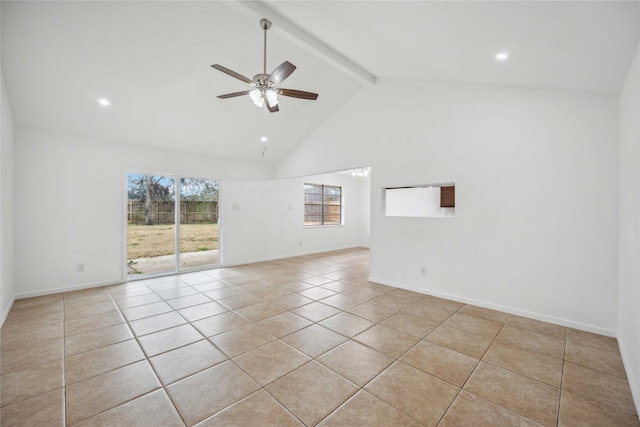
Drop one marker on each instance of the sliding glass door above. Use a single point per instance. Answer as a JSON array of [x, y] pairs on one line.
[[172, 224], [150, 224], [198, 233]]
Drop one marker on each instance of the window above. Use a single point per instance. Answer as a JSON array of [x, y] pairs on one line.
[[322, 204]]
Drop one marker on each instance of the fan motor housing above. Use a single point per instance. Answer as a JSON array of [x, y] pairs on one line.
[[262, 80]]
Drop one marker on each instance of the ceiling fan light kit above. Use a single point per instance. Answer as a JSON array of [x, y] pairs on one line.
[[265, 92]]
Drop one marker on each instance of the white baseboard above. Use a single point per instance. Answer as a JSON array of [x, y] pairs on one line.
[[632, 377], [68, 289], [510, 310], [6, 309]]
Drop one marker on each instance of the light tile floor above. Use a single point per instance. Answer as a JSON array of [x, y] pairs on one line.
[[301, 341]]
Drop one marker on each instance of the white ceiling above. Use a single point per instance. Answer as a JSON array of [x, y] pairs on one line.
[[573, 45], [152, 60]]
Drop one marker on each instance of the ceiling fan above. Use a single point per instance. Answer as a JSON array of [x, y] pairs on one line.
[[266, 90]]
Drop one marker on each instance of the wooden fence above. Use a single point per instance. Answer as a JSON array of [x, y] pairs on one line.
[[191, 212]]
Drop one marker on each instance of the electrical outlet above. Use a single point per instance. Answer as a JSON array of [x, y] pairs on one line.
[[423, 270], [80, 268]]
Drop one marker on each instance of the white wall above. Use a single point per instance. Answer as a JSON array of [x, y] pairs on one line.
[[629, 309], [263, 220], [536, 173], [7, 292], [69, 200], [414, 202]]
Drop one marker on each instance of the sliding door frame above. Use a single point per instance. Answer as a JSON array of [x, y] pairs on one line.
[[176, 220]]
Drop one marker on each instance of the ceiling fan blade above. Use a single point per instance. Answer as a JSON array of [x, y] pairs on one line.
[[234, 94], [232, 73], [298, 94], [283, 71]]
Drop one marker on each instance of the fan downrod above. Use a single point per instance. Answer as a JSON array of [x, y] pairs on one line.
[[265, 24]]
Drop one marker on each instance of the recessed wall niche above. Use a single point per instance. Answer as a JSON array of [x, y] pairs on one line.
[[422, 201]]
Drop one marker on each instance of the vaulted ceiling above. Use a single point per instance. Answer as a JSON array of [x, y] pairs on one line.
[[152, 61]]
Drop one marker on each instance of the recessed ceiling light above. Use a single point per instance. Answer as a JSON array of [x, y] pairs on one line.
[[502, 56], [264, 139], [103, 101]]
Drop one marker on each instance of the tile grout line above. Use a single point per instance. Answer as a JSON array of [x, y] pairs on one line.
[[474, 369], [517, 373], [312, 359], [460, 388], [564, 358], [111, 370], [153, 369], [348, 339], [396, 359], [263, 387], [230, 359], [64, 361]]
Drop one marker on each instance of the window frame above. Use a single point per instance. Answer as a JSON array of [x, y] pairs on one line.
[[324, 206]]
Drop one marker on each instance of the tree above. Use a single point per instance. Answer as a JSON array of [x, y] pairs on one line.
[[201, 190], [148, 189], [147, 199]]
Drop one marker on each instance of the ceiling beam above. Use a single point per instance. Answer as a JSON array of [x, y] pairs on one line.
[[300, 37]]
